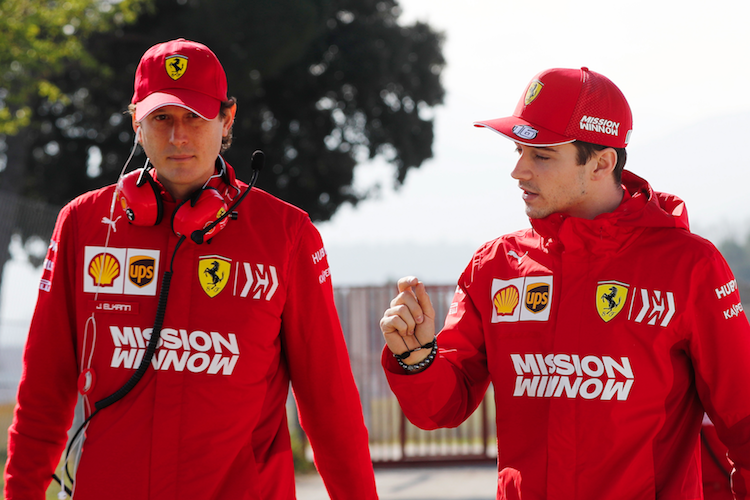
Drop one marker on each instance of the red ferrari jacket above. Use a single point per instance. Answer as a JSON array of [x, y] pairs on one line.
[[716, 468], [605, 340], [247, 313]]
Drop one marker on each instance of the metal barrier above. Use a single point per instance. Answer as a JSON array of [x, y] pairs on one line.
[[393, 439]]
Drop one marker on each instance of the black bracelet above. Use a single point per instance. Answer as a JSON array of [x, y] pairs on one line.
[[422, 365], [406, 354]]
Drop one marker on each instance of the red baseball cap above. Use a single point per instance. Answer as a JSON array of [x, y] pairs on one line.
[[566, 105], [179, 73]]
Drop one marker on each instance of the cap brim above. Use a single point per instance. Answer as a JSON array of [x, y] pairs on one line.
[[201, 104], [523, 132]]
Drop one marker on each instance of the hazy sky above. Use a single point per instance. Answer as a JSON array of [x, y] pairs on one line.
[[682, 65]]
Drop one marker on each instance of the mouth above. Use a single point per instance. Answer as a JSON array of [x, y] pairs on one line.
[[180, 157], [528, 194]]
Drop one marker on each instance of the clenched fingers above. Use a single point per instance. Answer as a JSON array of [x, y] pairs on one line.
[[410, 321]]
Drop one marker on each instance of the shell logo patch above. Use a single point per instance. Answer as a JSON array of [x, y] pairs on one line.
[[176, 66], [610, 299], [213, 273], [534, 291], [505, 300], [104, 269], [535, 88]]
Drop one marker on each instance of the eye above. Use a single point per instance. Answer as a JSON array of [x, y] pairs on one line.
[[541, 157]]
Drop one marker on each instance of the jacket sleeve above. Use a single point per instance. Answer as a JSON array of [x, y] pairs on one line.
[[47, 391], [452, 387], [327, 398], [720, 351]]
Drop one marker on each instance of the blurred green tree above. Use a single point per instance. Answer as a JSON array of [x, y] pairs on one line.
[[39, 39], [42, 43], [322, 85]]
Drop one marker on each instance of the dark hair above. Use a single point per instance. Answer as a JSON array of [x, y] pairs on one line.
[[225, 105], [586, 150]]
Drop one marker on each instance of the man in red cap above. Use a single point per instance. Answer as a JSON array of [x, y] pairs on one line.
[[184, 392], [607, 329]]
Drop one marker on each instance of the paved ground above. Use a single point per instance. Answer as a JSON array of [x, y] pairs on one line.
[[475, 482]]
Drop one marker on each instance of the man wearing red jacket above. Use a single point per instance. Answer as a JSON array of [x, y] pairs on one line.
[[606, 329], [250, 309]]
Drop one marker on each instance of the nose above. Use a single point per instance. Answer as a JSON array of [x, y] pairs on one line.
[[521, 170], [179, 134]]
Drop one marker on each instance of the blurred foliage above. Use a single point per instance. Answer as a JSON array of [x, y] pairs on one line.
[[322, 85], [41, 43], [39, 39], [299, 444]]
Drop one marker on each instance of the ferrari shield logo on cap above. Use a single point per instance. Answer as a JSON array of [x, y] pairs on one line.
[[176, 66], [213, 273], [533, 91], [610, 298]]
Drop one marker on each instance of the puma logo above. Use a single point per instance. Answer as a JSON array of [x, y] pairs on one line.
[[111, 223], [519, 258]]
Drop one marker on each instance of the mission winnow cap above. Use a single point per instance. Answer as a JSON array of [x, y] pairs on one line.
[[566, 105], [179, 73]]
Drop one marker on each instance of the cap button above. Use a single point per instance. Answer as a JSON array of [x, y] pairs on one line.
[[584, 68]]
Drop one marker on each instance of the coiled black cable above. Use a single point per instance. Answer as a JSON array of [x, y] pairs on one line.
[[140, 371], [150, 349]]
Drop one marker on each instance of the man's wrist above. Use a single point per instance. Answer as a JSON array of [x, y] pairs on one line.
[[417, 360]]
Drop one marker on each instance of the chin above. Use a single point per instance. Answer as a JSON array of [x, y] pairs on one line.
[[538, 214]]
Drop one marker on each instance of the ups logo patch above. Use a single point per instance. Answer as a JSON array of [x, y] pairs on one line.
[[537, 297], [141, 270]]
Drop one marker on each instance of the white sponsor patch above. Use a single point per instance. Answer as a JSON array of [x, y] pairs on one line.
[[526, 298], [130, 271], [258, 281], [726, 289], [656, 307], [733, 311], [570, 376], [601, 125], [178, 350]]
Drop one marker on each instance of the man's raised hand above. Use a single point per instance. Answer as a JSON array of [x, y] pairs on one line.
[[410, 321]]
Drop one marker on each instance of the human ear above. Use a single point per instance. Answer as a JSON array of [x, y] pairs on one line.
[[136, 129], [228, 120], [606, 161]]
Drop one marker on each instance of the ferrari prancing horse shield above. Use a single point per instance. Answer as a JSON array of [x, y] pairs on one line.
[[610, 298], [176, 66], [213, 273]]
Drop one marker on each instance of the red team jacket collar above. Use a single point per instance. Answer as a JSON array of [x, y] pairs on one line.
[[641, 207]]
